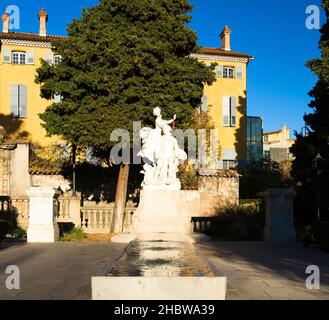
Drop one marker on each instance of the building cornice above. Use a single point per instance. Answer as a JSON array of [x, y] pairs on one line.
[[214, 58]]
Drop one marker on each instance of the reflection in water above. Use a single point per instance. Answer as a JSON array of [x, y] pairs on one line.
[[160, 255]]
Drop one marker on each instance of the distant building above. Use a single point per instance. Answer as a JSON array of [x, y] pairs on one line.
[[254, 141], [226, 99], [277, 145]]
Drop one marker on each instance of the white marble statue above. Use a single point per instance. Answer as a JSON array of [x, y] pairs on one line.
[[161, 154]]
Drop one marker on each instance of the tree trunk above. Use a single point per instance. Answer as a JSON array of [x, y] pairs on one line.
[[120, 199]]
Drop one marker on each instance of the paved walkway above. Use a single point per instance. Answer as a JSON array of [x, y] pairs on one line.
[[59, 271], [257, 270]]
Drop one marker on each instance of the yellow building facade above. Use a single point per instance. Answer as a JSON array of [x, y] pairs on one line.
[[20, 101], [226, 99], [21, 104]]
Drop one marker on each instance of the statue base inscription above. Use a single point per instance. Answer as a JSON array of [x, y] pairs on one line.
[[162, 211]]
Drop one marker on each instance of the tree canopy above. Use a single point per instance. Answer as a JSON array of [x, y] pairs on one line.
[[307, 164], [121, 59]]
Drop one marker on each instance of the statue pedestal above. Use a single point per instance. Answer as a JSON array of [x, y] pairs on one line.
[[163, 187], [162, 211]]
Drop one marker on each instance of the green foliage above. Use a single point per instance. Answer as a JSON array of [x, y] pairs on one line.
[[316, 141], [120, 60], [188, 177], [54, 155], [244, 223], [255, 181], [76, 234], [20, 234]]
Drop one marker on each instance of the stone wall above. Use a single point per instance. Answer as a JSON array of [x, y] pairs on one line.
[[218, 191], [53, 181]]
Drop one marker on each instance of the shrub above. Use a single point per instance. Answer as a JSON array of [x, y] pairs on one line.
[[243, 223], [20, 234], [188, 177], [76, 234]]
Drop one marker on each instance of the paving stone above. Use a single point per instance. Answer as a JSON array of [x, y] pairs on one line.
[[59, 271], [259, 270]]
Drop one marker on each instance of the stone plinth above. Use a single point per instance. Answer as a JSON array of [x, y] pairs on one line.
[[153, 288], [279, 216], [165, 211], [43, 226]]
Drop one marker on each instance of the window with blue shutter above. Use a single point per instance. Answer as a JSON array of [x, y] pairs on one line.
[[219, 71], [49, 58], [22, 101], [229, 111], [233, 111], [6, 56], [239, 72], [226, 111], [14, 100], [18, 101], [30, 57]]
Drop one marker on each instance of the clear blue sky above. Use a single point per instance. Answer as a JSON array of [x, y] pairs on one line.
[[273, 31]]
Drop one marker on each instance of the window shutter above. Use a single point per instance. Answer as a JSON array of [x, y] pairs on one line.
[[49, 58], [219, 71], [6, 56], [14, 100], [229, 154], [204, 107], [23, 101], [233, 111], [226, 111], [57, 98], [30, 57], [239, 72]]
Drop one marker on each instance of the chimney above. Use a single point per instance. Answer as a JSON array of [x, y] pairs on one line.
[[43, 17], [283, 135], [5, 23], [226, 38]]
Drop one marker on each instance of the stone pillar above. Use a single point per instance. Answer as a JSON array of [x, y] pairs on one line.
[[43, 226], [75, 211], [20, 179], [279, 216]]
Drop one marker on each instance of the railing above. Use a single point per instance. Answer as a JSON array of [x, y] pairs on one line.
[[201, 224], [96, 220], [99, 219], [92, 218]]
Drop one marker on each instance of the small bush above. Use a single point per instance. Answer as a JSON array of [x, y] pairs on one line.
[[188, 177], [76, 234], [20, 234], [243, 223]]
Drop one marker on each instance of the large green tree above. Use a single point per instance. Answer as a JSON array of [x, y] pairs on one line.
[[121, 59], [308, 168]]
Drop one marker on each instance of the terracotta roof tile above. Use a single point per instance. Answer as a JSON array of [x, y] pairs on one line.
[[29, 37], [221, 52], [36, 37]]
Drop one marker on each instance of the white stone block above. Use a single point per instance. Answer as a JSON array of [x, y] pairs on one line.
[[43, 225], [165, 211], [161, 288]]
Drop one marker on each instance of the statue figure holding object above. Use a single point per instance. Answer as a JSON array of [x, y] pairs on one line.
[[161, 154]]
